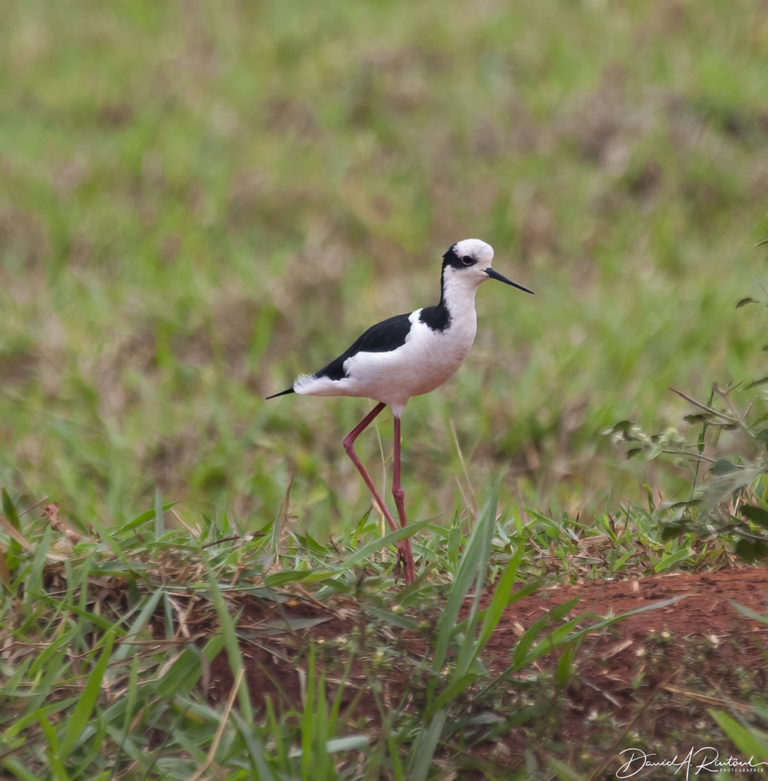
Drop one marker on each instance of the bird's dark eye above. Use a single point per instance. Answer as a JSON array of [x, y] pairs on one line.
[[467, 260]]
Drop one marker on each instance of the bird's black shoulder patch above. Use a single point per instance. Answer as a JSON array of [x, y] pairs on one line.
[[437, 317], [380, 338]]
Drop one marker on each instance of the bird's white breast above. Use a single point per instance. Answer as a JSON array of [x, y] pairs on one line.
[[424, 362]]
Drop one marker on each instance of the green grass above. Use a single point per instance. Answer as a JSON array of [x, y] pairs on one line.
[[105, 667], [198, 203], [109, 641], [201, 200]]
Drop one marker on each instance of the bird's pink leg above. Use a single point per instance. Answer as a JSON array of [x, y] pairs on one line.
[[405, 556], [349, 446], [399, 494]]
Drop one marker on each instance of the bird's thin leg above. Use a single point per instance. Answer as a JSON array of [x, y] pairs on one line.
[[399, 494], [349, 446], [405, 556], [397, 488]]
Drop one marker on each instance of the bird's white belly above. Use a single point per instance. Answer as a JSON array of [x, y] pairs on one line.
[[424, 362]]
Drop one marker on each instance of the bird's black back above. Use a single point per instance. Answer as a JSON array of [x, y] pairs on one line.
[[387, 335]]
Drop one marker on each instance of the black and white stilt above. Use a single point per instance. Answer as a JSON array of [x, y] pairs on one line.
[[405, 356]]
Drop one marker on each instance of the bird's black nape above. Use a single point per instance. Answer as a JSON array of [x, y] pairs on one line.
[[282, 393], [451, 258]]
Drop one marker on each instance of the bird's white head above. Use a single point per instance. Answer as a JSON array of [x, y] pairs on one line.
[[468, 263]]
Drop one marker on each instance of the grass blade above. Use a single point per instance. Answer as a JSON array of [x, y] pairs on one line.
[[471, 569], [382, 542], [256, 750], [502, 596], [424, 747], [230, 642], [87, 700], [750, 742], [563, 772]]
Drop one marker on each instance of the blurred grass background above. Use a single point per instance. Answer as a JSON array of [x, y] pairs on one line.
[[199, 200]]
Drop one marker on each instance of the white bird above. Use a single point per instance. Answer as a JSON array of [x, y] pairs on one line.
[[405, 356]]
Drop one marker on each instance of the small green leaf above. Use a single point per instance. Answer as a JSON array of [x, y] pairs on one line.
[[675, 529], [755, 514], [277, 579], [723, 467], [673, 558], [10, 511], [143, 518], [751, 550], [537, 627], [565, 664]]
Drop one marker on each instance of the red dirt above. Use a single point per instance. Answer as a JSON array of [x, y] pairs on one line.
[[653, 674]]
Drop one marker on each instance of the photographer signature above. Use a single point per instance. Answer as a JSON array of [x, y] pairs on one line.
[[705, 758]]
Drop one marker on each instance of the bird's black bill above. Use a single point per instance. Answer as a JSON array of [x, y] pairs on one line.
[[501, 278]]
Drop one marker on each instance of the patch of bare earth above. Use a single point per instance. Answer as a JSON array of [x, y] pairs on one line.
[[647, 680]]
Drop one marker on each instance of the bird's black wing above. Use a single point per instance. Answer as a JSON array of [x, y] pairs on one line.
[[380, 338]]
